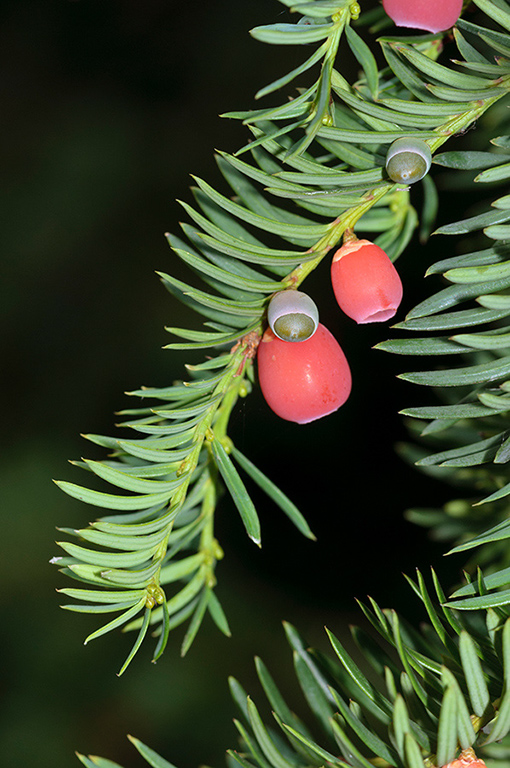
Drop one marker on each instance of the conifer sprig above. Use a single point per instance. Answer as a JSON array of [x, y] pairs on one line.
[[151, 559], [471, 430], [414, 699]]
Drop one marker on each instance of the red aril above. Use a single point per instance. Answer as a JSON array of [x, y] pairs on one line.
[[466, 759], [366, 284], [304, 381], [431, 15]]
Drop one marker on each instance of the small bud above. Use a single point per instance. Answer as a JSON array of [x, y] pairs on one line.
[[408, 160], [431, 15], [292, 316], [355, 11], [244, 388], [366, 284], [227, 444], [303, 382]]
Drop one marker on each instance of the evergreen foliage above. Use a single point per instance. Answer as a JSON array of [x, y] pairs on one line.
[[314, 168]]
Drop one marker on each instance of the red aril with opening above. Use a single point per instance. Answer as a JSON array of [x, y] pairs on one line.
[[366, 284]]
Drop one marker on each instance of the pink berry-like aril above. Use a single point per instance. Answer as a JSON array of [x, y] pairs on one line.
[[366, 284], [430, 15], [305, 381]]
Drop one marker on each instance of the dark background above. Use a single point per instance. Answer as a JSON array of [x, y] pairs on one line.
[[106, 108]]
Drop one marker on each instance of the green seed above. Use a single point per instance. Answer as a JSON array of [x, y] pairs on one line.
[[406, 167], [294, 327]]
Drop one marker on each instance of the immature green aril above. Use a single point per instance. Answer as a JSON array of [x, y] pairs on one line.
[[292, 315], [408, 160]]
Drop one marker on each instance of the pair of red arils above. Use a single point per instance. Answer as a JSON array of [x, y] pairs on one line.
[[304, 380], [309, 379]]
